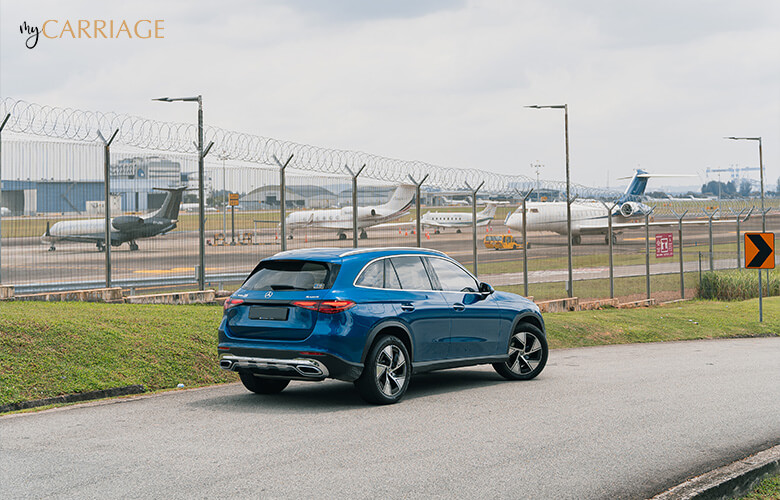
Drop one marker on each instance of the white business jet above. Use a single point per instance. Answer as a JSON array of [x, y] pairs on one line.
[[340, 219]]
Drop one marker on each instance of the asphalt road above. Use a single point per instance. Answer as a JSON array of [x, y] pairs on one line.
[[27, 261], [603, 422]]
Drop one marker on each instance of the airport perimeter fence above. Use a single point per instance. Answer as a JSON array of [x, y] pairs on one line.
[[53, 166]]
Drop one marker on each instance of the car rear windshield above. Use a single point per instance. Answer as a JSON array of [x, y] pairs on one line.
[[291, 275]]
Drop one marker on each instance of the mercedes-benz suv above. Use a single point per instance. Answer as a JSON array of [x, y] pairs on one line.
[[373, 317]]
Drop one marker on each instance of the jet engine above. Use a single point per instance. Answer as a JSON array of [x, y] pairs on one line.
[[127, 222], [630, 208], [363, 212]]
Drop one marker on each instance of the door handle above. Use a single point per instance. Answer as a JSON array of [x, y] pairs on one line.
[[407, 307], [458, 306]]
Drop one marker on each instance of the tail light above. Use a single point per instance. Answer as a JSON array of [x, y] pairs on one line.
[[231, 302], [325, 306]]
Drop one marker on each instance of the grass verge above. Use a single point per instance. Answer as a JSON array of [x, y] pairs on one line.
[[49, 349], [768, 489]]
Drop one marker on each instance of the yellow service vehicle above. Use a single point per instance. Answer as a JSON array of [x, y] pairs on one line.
[[502, 242]]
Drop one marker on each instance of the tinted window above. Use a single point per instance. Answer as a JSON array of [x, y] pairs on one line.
[[391, 278], [452, 277], [289, 275], [373, 276], [411, 273]]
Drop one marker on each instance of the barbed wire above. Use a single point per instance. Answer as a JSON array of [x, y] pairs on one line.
[[77, 125]]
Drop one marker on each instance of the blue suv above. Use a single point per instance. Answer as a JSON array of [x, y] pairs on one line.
[[373, 317]]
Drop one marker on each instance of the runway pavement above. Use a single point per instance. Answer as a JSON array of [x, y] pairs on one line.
[[603, 422], [27, 261]]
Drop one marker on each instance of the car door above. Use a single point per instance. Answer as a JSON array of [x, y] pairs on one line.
[[424, 309], [476, 319]]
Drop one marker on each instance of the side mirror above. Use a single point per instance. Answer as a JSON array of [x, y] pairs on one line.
[[485, 289]]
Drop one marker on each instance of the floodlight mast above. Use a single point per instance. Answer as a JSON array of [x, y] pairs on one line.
[[565, 108], [201, 205], [760, 168]]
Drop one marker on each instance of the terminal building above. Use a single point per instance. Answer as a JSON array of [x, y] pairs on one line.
[[133, 188]]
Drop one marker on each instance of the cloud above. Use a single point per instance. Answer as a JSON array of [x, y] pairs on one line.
[[656, 84]]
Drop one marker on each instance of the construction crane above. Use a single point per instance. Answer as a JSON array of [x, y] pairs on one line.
[[735, 171]]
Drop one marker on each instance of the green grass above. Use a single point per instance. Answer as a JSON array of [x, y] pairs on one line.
[[768, 489], [737, 284], [599, 288], [49, 349], [697, 319]]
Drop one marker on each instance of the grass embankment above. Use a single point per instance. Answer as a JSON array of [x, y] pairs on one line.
[[737, 284], [768, 489], [49, 349]]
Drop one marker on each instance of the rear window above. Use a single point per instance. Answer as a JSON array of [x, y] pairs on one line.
[[291, 275]]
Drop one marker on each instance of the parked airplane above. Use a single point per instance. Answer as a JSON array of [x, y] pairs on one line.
[[441, 220], [587, 216], [193, 207], [454, 202], [124, 229], [340, 219]]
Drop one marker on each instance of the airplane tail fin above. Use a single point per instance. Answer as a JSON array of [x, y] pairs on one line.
[[489, 210], [171, 203], [401, 200], [636, 188]]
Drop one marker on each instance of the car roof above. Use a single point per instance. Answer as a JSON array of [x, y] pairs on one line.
[[337, 254]]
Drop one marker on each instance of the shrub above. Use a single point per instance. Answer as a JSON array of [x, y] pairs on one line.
[[736, 285]]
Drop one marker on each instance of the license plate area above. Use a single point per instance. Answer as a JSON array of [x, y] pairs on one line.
[[269, 313]]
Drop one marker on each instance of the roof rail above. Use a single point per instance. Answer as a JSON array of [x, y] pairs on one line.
[[380, 249]]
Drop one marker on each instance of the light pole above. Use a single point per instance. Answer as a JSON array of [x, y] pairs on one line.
[[537, 166], [565, 108], [201, 208], [761, 169]]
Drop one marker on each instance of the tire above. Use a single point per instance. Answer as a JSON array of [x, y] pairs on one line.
[[262, 385], [386, 372], [527, 354]]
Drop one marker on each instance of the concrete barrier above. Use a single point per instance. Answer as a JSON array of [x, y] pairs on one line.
[[597, 304], [178, 298], [94, 295], [637, 303], [6, 292], [559, 305]]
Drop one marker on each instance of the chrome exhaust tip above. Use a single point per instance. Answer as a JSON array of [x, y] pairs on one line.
[[226, 364], [309, 370]]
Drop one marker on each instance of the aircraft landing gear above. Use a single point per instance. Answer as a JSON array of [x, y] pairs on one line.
[[457, 231], [100, 247], [289, 236], [614, 239], [576, 239], [342, 236], [133, 246], [363, 235], [52, 248], [436, 232]]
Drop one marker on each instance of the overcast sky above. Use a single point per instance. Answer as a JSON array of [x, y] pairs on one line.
[[655, 84]]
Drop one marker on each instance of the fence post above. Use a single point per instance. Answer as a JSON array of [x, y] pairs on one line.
[[525, 242], [107, 197], [610, 241], [682, 261], [712, 257], [647, 251], [2, 125], [418, 224], [570, 278], [740, 220], [282, 201], [474, 222], [354, 204]]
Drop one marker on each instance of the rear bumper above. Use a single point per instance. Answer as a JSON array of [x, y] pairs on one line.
[[289, 364]]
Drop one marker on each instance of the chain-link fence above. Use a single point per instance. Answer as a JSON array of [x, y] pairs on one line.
[[262, 196]]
